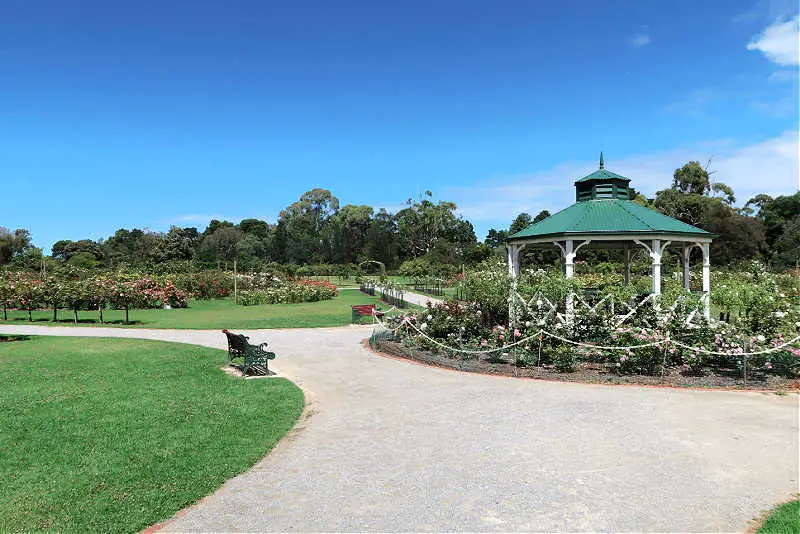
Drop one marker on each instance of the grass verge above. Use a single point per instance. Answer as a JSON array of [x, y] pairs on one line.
[[784, 519], [117, 434], [213, 314]]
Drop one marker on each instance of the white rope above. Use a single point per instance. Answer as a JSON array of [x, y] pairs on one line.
[[523, 340], [664, 341], [465, 351], [766, 351]]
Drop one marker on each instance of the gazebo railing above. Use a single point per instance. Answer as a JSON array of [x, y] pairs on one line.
[[623, 311]]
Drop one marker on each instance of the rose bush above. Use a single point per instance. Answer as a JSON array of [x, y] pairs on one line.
[[657, 330], [289, 293]]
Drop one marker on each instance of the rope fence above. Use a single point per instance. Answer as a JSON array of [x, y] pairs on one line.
[[664, 342]]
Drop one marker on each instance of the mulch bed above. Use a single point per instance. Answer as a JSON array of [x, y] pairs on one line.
[[590, 372]]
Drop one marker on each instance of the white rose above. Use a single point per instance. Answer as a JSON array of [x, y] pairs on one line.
[[761, 338], [430, 318], [423, 326]]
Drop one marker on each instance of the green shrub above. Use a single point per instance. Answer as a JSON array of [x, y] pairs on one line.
[[564, 358]]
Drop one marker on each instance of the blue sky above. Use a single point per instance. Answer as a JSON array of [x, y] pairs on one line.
[[152, 113]]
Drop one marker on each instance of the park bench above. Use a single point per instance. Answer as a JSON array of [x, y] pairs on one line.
[[365, 310], [255, 356]]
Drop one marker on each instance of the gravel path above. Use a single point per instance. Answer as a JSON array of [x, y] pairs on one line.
[[419, 299], [387, 445]]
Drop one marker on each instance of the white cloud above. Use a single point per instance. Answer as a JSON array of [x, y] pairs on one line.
[[784, 75], [780, 42], [640, 39], [769, 166]]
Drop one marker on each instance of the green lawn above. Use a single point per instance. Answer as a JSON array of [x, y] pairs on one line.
[[785, 519], [212, 314], [116, 435]]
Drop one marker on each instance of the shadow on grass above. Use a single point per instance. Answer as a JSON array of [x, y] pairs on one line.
[[67, 321], [9, 339]]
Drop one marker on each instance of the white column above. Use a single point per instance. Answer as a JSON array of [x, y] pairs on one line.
[[656, 255], [627, 255], [686, 268], [513, 270], [569, 259], [569, 272], [707, 277]]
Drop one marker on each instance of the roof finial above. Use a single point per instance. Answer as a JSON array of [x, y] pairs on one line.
[[602, 165]]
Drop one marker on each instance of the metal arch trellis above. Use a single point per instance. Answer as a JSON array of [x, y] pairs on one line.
[[380, 263]]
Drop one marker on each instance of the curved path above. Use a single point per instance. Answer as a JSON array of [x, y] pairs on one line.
[[388, 445]]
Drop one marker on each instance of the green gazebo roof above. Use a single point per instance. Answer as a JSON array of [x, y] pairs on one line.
[[603, 208], [602, 174]]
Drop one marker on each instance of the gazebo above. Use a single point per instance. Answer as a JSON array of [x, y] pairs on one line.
[[604, 217]]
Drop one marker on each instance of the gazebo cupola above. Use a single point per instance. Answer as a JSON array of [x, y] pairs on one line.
[[602, 184], [604, 216]]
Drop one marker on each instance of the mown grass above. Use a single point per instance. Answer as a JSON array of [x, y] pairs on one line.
[[785, 519], [213, 314], [115, 435]]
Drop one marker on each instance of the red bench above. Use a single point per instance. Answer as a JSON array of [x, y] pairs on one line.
[[365, 310]]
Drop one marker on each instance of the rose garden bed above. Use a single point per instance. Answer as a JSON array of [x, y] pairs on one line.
[[588, 372]]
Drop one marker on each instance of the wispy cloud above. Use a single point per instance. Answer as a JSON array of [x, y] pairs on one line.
[[769, 166], [766, 10], [780, 42], [640, 39], [782, 76], [700, 102]]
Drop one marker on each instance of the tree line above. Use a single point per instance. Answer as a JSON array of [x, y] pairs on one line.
[[314, 230], [317, 230]]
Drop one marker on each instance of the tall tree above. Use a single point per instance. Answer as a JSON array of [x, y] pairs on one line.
[[522, 221], [495, 238], [13, 244], [222, 245], [180, 244], [347, 233], [691, 179], [781, 217], [255, 227], [542, 215], [381, 240], [302, 227], [215, 225], [423, 223], [694, 200]]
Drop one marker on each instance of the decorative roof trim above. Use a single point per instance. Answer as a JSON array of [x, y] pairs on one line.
[[615, 236]]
